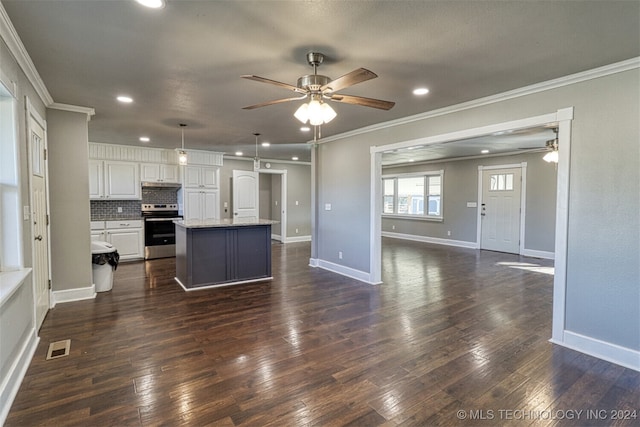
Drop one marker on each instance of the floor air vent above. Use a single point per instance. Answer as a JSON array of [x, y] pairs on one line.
[[58, 349]]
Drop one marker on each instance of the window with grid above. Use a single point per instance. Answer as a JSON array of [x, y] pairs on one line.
[[413, 195]]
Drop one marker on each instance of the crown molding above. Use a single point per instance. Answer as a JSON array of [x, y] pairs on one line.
[[17, 49], [74, 109], [618, 67]]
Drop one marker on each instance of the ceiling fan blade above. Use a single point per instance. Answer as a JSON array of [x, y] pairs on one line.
[[273, 82], [366, 102], [276, 101], [356, 76]]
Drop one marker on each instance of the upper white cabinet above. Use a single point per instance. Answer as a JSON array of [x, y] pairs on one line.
[[114, 180], [201, 177], [156, 172], [96, 179]]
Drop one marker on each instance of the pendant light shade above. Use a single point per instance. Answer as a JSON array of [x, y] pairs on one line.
[[182, 155]]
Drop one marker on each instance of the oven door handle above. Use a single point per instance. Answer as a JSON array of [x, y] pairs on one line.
[[161, 219]]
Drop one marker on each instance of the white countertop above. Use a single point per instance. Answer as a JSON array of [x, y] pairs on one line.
[[227, 222]]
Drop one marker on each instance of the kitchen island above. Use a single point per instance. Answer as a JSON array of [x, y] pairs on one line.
[[223, 252]]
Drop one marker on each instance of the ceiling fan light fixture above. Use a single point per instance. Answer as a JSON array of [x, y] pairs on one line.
[[315, 112], [551, 157]]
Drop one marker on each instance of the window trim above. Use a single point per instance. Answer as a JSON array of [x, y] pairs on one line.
[[421, 174]]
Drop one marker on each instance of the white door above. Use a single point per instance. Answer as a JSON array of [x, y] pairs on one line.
[[500, 210], [245, 194], [40, 217]]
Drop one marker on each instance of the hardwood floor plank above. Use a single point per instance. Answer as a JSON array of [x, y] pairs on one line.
[[449, 330]]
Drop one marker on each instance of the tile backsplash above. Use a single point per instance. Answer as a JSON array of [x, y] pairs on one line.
[[107, 209]]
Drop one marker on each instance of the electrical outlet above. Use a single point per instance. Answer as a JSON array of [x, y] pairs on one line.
[[296, 231], [448, 232], [340, 254], [393, 227], [297, 203], [119, 209]]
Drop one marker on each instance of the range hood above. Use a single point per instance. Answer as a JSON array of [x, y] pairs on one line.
[[153, 184]]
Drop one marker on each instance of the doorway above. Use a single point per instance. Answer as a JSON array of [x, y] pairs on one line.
[[563, 118], [500, 209], [262, 194]]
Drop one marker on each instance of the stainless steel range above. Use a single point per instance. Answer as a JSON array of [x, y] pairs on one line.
[[159, 230]]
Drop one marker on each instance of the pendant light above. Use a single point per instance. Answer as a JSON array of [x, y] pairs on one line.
[[182, 155], [256, 159]]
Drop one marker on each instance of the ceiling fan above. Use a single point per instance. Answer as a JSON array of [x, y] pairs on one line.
[[551, 146], [319, 88]]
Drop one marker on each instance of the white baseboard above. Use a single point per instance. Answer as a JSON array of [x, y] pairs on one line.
[[69, 295], [297, 239], [427, 239], [362, 276], [11, 384], [613, 353], [538, 254]]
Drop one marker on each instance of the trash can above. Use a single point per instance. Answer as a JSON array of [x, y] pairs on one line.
[[104, 260]]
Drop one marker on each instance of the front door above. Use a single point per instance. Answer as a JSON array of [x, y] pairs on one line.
[[39, 214], [500, 210], [245, 194]]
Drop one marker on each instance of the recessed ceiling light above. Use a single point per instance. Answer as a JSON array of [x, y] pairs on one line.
[[485, 151], [411, 160], [153, 4], [266, 144], [305, 129], [421, 91], [125, 99], [238, 153], [144, 139], [294, 158]]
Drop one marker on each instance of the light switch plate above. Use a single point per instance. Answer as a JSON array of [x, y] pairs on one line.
[[472, 204], [327, 206], [26, 213]]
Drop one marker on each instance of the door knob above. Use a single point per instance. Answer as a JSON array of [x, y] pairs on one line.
[[39, 237]]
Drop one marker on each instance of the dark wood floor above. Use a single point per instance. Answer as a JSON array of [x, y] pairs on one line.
[[453, 337]]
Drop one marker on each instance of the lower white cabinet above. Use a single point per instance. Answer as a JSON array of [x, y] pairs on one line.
[[126, 236], [97, 231], [201, 204]]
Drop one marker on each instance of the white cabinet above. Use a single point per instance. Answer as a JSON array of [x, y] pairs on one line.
[[121, 180], [97, 231], [127, 237], [201, 177], [155, 172], [201, 204], [109, 180], [96, 179]]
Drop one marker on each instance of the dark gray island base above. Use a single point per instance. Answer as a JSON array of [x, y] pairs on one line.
[[222, 252]]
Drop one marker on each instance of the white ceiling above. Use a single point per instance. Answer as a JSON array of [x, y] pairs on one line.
[[183, 63]]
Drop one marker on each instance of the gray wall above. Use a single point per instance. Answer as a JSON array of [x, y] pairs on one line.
[[298, 189], [461, 186], [603, 253], [69, 200]]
